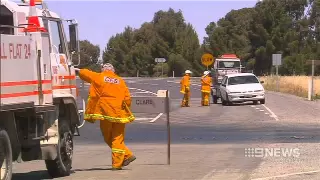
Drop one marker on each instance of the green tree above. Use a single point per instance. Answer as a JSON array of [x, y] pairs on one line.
[[89, 55], [273, 26], [166, 36]]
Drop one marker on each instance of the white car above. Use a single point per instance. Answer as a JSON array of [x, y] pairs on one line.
[[241, 87]]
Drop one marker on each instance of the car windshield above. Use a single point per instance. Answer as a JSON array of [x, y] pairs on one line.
[[242, 80], [229, 64]]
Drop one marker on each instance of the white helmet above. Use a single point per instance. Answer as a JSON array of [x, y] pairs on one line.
[[206, 73], [107, 66], [187, 72]]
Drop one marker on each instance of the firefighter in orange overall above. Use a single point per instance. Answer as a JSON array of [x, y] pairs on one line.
[[205, 88], [109, 101], [185, 88]]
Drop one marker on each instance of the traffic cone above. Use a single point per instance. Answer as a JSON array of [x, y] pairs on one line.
[[33, 20]]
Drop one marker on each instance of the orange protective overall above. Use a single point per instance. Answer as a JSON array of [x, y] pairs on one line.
[[205, 89], [109, 101], [185, 90]]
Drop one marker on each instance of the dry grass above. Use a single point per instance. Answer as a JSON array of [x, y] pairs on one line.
[[296, 85]]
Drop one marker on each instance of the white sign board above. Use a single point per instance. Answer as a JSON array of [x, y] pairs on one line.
[[162, 93], [160, 60], [145, 104], [276, 59]]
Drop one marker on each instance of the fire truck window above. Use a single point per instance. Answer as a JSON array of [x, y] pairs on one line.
[[6, 20], [56, 36], [229, 64]]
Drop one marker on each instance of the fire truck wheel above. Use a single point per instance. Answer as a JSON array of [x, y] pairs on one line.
[[5, 156], [62, 165]]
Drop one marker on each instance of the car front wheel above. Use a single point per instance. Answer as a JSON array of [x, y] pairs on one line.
[[225, 102], [263, 101]]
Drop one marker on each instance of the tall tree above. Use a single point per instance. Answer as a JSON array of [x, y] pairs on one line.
[[89, 55], [166, 36], [273, 26]]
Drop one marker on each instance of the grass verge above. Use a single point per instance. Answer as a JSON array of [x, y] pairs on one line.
[[295, 85]]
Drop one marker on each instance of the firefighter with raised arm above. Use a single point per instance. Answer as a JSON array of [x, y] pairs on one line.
[[110, 103], [206, 81], [185, 88]]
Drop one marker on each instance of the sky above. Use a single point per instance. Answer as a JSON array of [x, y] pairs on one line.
[[99, 20]]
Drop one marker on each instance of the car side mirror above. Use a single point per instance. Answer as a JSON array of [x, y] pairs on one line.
[[261, 82], [223, 85]]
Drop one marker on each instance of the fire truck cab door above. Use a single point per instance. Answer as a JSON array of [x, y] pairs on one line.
[[59, 54]]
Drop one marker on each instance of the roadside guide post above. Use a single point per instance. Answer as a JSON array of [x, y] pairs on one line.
[[160, 60], [311, 81], [155, 104], [277, 61], [168, 125]]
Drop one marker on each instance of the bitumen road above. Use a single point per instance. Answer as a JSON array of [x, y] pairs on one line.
[[206, 142]]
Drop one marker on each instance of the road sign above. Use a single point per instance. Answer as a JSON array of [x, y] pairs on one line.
[[162, 93], [207, 59], [316, 62], [160, 60], [148, 104], [154, 104], [276, 59]]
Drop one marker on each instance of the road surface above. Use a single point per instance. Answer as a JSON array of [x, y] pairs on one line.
[[207, 142]]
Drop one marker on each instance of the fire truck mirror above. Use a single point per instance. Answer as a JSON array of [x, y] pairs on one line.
[[73, 32]]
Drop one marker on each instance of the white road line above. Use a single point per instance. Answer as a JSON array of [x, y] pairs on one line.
[[143, 90], [158, 79], [156, 118], [253, 106], [272, 113], [143, 119], [261, 110], [209, 175], [286, 175], [179, 83], [196, 84], [257, 108], [266, 113]]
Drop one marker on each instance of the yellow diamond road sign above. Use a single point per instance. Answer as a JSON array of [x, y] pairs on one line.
[[207, 59]]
